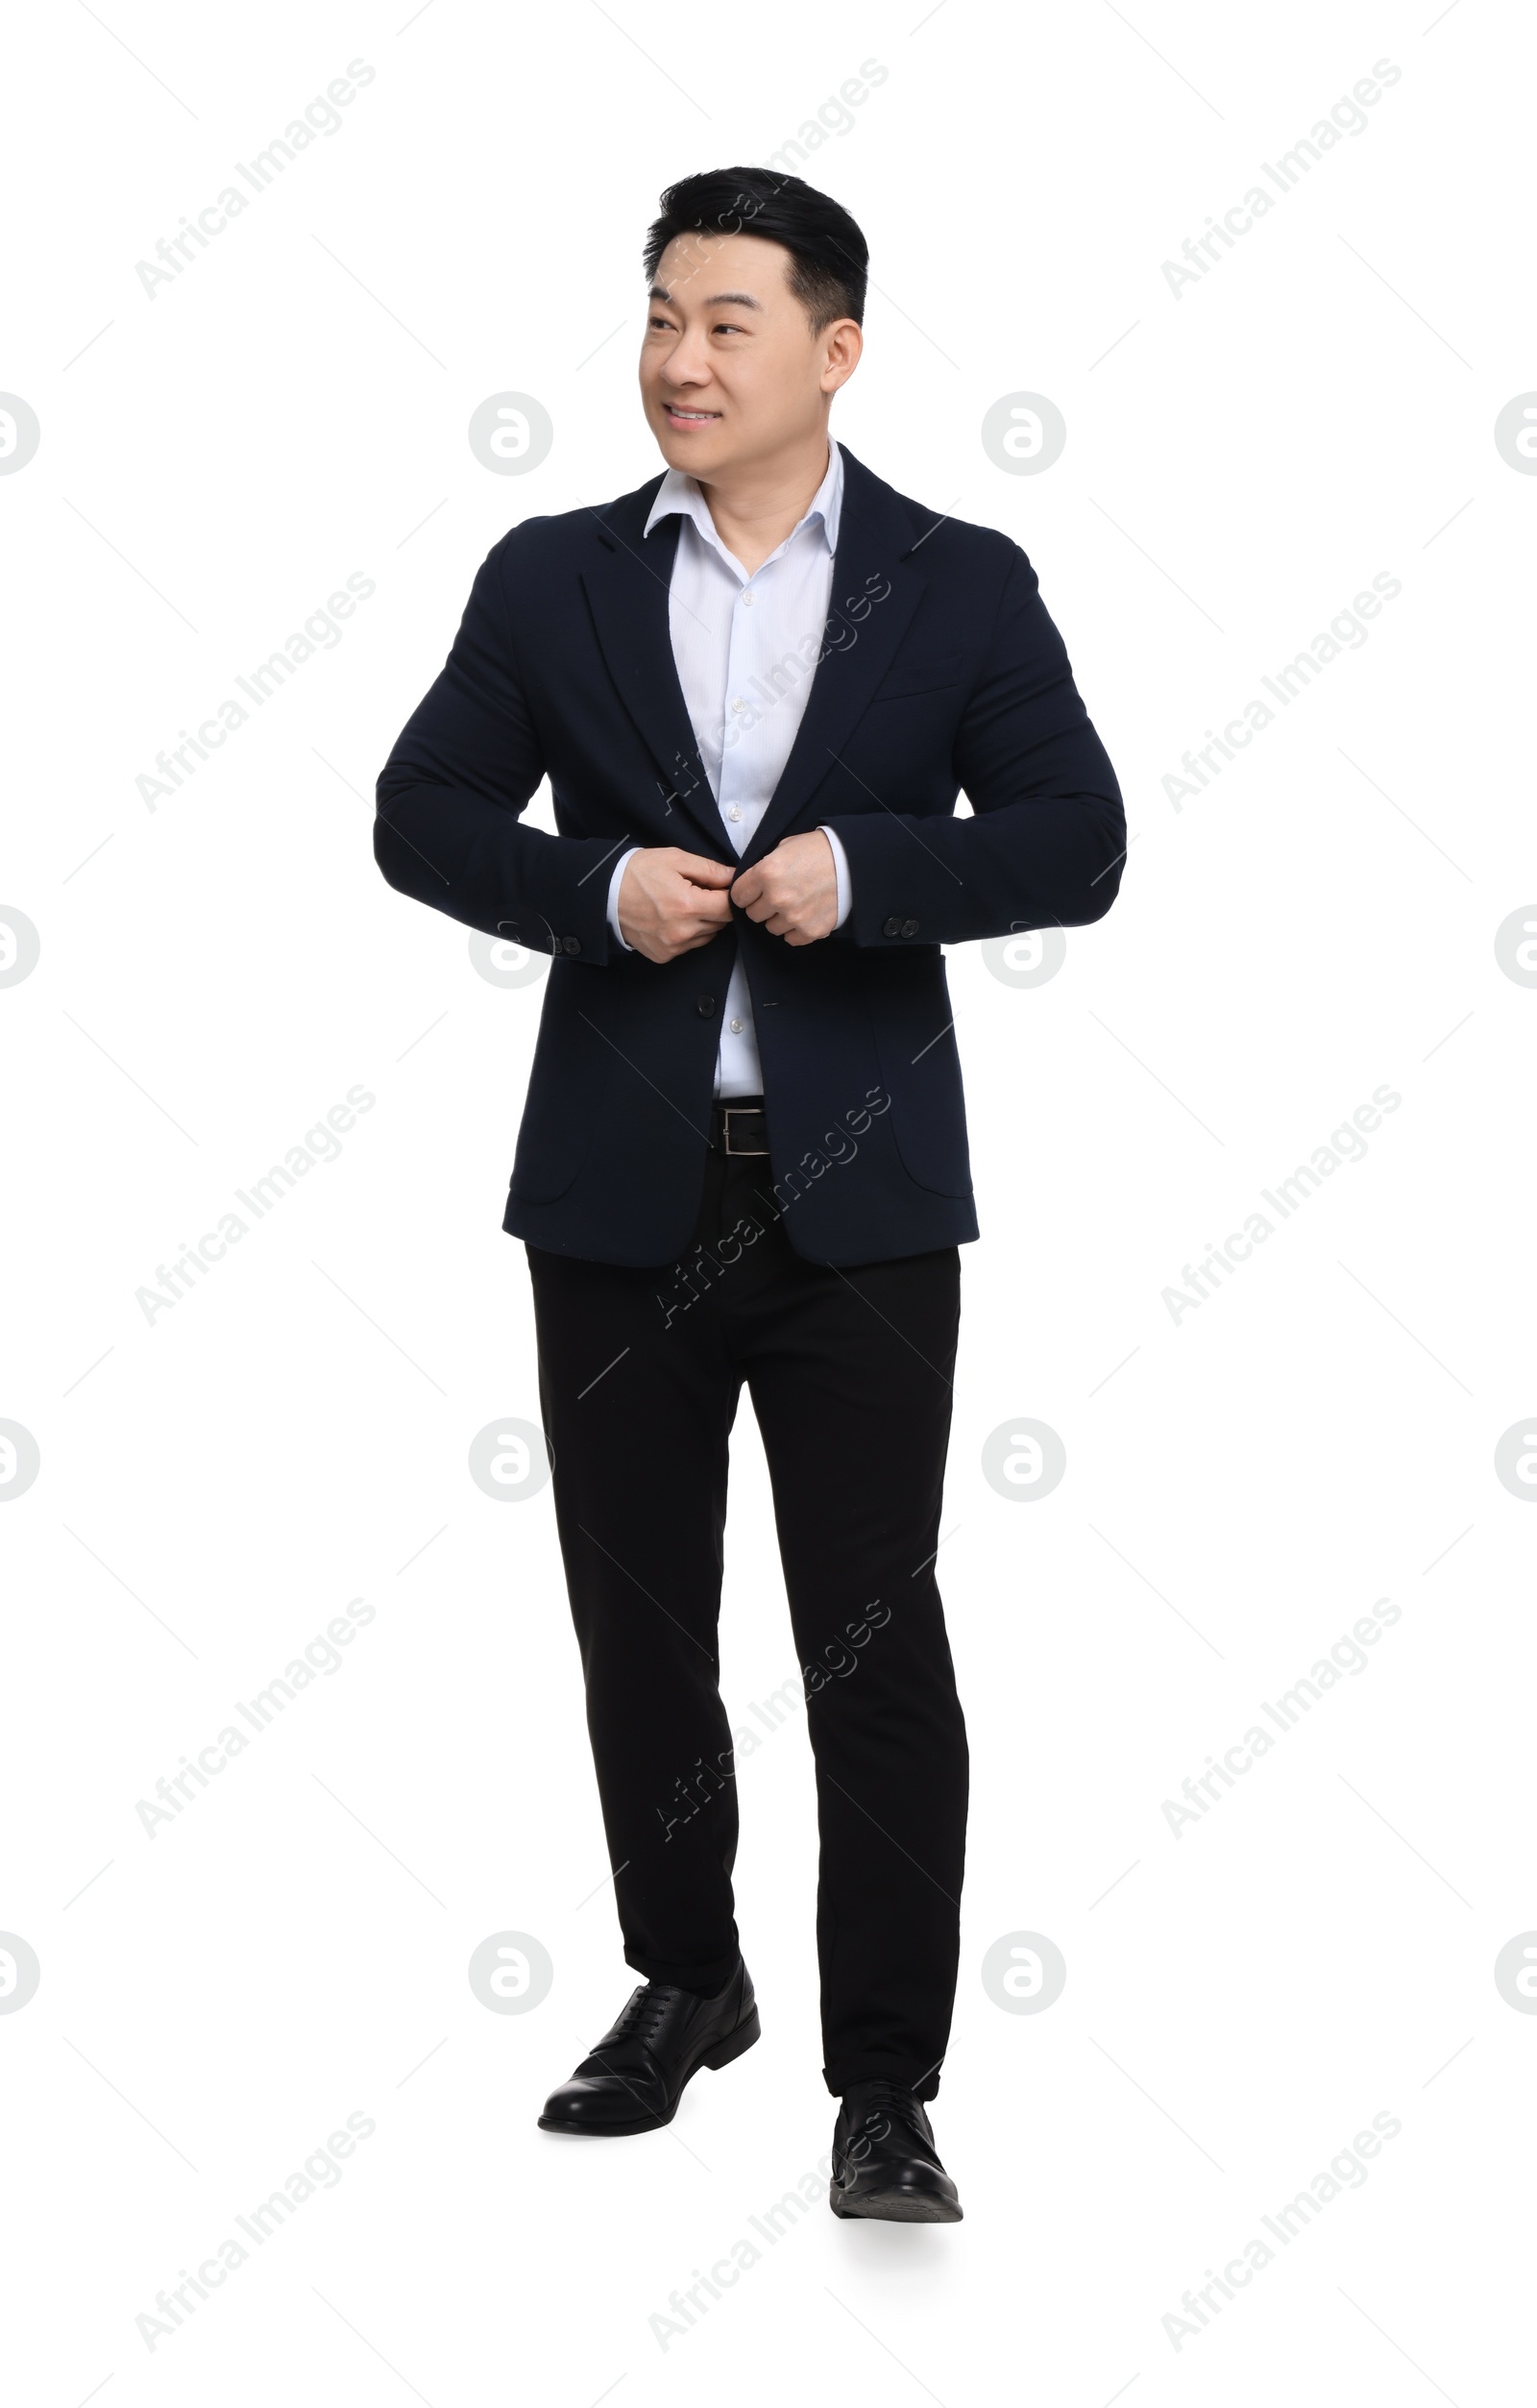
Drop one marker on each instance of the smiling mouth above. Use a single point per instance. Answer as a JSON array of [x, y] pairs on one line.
[[691, 417]]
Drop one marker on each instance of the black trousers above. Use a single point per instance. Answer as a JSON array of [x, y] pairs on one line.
[[849, 1371]]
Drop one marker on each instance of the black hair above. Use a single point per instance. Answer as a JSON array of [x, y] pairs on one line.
[[829, 258]]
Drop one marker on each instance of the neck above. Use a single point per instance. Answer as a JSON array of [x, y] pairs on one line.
[[754, 509]]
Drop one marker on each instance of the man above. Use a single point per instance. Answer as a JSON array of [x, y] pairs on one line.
[[756, 685]]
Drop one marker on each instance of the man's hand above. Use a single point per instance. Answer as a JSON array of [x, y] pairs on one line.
[[792, 892], [671, 901]]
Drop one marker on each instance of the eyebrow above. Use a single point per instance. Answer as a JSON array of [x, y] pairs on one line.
[[742, 301]]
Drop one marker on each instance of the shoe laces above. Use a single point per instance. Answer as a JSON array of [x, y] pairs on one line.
[[644, 2008], [880, 2098]]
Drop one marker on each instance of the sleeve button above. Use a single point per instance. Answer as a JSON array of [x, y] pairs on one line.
[[910, 928], [891, 927], [571, 944]]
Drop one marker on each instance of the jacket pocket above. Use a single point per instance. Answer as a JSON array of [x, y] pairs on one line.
[[920, 1066], [547, 1158], [920, 676], [564, 1104]]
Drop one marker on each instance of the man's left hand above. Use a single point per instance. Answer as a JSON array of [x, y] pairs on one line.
[[793, 891]]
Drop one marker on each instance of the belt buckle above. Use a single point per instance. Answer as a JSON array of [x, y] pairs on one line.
[[746, 1110]]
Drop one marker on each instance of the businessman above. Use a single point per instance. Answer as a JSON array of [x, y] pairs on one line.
[[757, 685]]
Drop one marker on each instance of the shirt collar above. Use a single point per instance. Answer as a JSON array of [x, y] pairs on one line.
[[678, 491]]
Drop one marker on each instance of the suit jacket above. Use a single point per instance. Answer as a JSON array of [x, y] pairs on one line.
[[940, 670]]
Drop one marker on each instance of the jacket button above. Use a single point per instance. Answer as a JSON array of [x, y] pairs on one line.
[[891, 927], [910, 928], [572, 945], [705, 1006]]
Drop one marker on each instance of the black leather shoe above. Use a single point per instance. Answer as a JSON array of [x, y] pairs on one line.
[[635, 2077], [885, 2163]]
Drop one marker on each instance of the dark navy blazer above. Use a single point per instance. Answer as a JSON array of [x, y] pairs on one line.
[[940, 670]]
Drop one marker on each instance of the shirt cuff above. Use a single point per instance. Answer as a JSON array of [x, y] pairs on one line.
[[612, 897], [846, 883]]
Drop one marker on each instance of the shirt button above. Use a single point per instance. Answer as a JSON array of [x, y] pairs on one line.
[[735, 812], [705, 1006], [736, 1027], [747, 598], [738, 704]]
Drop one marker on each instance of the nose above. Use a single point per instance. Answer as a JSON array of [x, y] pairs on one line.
[[684, 365]]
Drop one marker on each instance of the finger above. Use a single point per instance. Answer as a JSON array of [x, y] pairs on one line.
[[696, 930]]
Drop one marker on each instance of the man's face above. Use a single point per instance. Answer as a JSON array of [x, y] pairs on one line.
[[730, 371]]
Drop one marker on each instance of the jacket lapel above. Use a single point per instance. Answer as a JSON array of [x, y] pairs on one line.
[[627, 590], [873, 599]]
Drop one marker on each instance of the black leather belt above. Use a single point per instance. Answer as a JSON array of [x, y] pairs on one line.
[[738, 1126]]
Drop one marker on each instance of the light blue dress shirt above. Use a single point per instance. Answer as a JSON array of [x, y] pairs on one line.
[[745, 649]]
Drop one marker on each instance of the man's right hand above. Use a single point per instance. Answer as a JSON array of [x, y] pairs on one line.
[[671, 901]]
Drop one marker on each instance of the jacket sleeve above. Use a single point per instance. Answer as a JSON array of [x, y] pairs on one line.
[[449, 798], [1047, 842]]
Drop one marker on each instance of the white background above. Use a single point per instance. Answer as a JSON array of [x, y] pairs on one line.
[[1242, 1484]]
